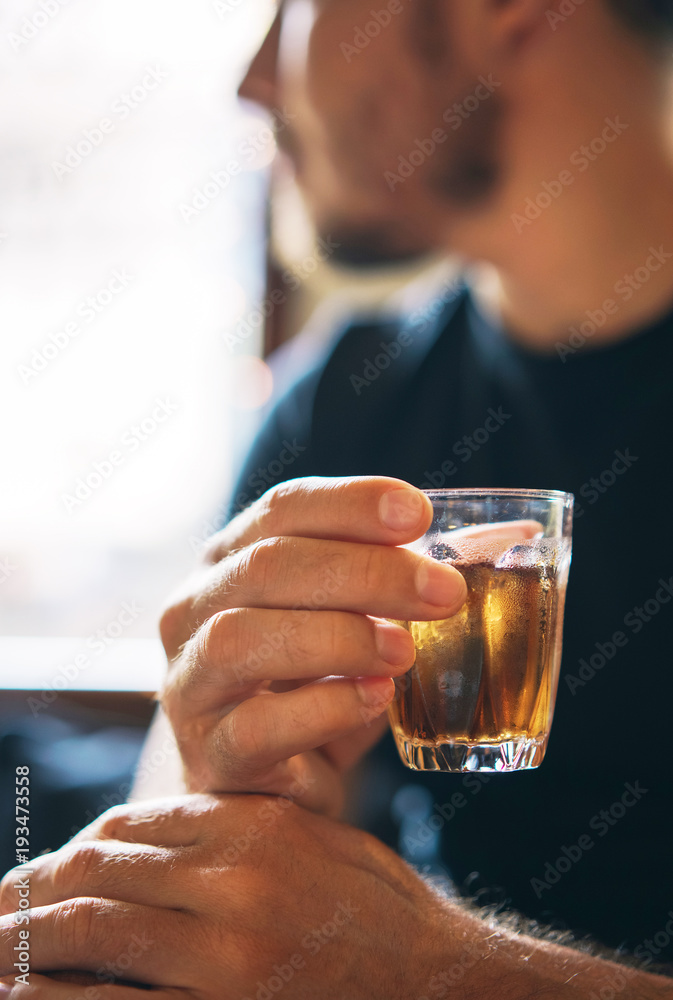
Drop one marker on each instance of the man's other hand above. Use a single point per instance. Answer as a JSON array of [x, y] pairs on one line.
[[224, 898], [239, 897]]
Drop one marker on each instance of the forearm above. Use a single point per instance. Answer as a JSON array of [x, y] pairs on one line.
[[490, 962]]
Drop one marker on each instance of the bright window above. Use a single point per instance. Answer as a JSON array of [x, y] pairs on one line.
[[129, 246]]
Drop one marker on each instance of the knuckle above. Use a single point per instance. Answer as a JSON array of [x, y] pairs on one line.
[[205, 646], [179, 618], [370, 567], [259, 565], [224, 637], [113, 824], [272, 507], [174, 627], [320, 642], [246, 655], [170, 699], [244, 740], [302, 646], [322, 712], [333, 640], [224, 643], [192, 667], [72, 866], [75, 926], [239, 743], [8, 898]]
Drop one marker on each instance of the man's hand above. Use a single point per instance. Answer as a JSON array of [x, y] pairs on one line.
[[216, 897], [292, 594], [242, 897]]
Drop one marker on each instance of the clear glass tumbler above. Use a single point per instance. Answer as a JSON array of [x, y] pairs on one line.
[[481, 694]]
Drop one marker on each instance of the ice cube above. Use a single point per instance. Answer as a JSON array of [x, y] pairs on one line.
[[441, 552], [484, 543], [534, 554]]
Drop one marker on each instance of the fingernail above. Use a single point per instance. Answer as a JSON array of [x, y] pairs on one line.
[[375, 692], [393, 644], [5, 990], [440, 585], [401, 509]]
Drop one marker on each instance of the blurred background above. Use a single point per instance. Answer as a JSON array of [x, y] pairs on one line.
[[87, 213], [120, 397], [141, 226], [133, 209]]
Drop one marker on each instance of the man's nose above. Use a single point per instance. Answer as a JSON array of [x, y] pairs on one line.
[[260, 82]]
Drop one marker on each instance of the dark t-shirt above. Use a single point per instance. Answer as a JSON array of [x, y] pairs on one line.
[[585, 841]]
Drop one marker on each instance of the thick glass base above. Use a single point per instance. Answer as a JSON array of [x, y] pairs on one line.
[[510, 755]]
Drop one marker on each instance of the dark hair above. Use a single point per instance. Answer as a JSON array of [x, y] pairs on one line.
[[653, 18]]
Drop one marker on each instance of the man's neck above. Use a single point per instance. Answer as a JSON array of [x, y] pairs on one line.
[[605, 274], [582, 238]]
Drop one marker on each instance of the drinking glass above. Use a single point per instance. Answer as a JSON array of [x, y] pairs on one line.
[[481, 693]]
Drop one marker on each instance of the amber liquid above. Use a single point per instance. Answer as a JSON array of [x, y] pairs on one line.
[[489, 674]]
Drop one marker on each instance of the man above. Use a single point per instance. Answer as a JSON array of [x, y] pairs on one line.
[[539, 141]]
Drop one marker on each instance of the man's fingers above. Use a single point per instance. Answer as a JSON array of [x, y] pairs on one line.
[[363, 509], [95, 868], [313, 574], [376, 510], [166, 822], [270, 728], [236, 650], [101, 935], [343, 753], [76, 988]]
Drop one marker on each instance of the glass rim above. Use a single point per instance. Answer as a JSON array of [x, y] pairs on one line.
[[496, 494]]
